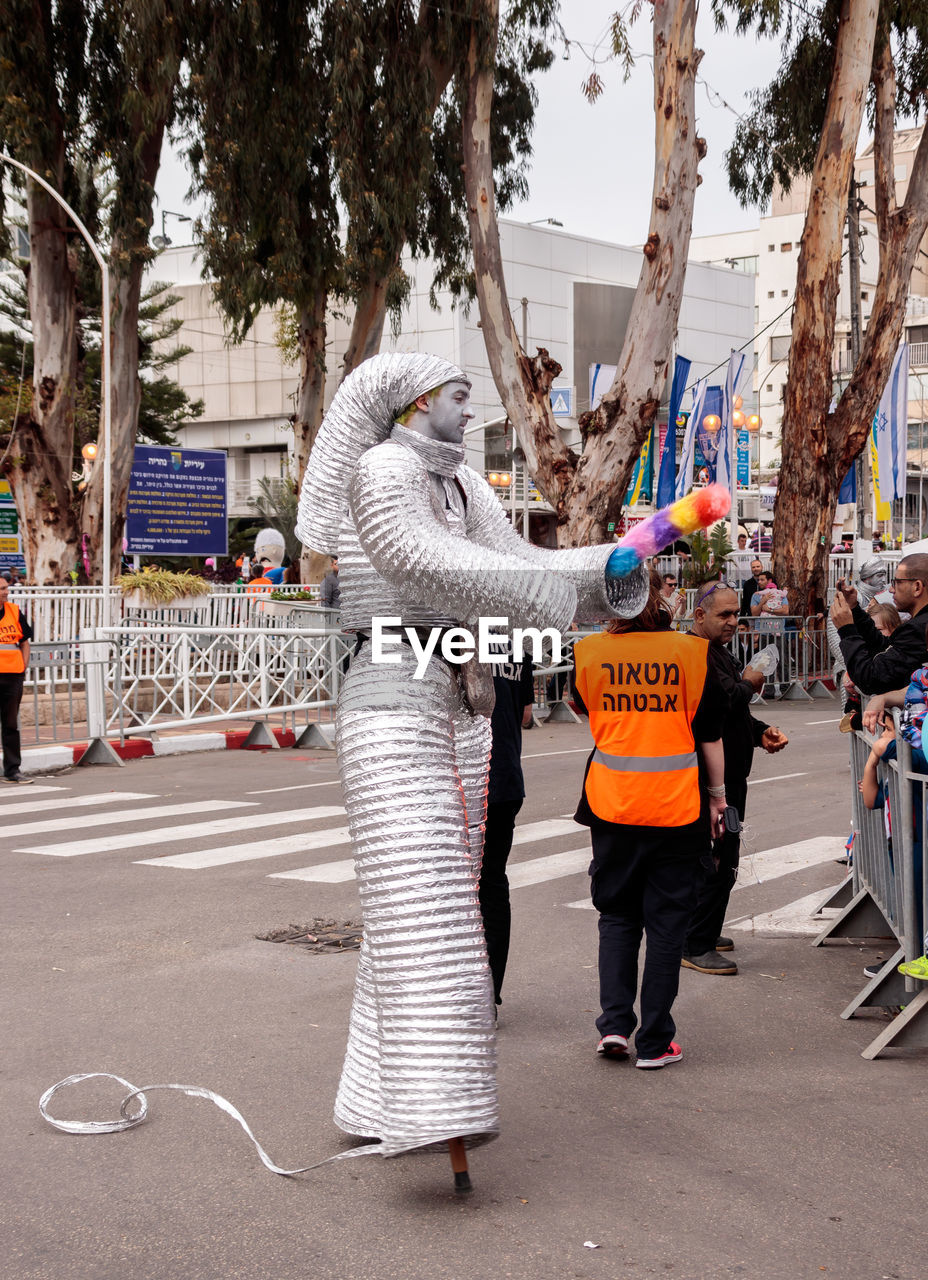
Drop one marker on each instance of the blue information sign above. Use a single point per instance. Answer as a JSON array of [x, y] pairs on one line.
[[177, 502]]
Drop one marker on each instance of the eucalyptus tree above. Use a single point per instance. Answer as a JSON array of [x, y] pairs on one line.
[[87, 90], [587, 491], [840, 59]]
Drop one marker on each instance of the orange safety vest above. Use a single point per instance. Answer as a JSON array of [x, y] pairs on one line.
[[11, 634], [257, 585], [641, 690]]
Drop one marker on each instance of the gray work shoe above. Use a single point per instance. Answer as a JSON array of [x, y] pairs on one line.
[[709, 962]]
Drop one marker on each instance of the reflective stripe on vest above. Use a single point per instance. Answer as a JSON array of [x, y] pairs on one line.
[[11, 655], [646, 764], [642, 690]]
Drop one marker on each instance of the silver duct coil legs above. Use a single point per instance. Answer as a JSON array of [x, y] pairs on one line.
[[420, 1068]]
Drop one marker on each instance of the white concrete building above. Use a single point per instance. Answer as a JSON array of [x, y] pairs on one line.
[[568, 294]]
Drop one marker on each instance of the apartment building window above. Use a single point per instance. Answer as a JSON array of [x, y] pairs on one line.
[[770, 248], [779, 347], [770, 293], [865, 295], [784, 293], [786, 246], [769, 386], [917, 333]]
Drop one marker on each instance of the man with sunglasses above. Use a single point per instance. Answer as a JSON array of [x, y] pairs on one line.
[[715, 618], [878, 663]]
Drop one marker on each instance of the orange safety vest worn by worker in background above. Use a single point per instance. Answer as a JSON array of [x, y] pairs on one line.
[[11, 634], [642, 690]]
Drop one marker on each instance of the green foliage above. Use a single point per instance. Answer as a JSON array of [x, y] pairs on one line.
[[708, 556], [778, 138], [161, 586], [277, 505]]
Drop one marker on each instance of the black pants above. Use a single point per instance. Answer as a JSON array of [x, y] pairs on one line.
[[720, 871], [644, 879], [11, 695], [494, 886]]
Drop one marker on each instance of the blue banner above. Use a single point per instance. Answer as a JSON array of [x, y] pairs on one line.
[[848, 490], [708, 441], [177, 503], [668, 473], [744, 459]]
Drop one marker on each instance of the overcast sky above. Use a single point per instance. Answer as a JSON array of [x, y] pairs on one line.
[[593, 165]]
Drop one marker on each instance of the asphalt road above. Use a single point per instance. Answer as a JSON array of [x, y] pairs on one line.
[[773, 1151]]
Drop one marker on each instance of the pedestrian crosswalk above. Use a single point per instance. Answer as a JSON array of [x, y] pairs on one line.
[[132, 823]]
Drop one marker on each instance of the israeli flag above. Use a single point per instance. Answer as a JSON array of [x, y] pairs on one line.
[[724, 461], [688, 456], [891, 427]]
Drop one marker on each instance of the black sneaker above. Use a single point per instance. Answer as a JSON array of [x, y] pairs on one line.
[[18, 778], [709, 962], [724, 944], [874, 968]]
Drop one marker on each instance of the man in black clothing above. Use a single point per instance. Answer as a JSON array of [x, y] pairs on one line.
[[715, 619], [15, 634], [878, 663], [749, 586], [514, 686]]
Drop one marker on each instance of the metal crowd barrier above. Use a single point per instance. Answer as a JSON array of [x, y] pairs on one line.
[[886, 895]]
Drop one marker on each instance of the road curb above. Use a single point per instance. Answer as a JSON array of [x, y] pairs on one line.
[[44, 759]]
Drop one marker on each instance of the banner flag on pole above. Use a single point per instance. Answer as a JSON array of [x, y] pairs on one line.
[[848, 490], [726, 451], [665, 480], [708, 441], [890, 427], [638, 475], [687, 458]]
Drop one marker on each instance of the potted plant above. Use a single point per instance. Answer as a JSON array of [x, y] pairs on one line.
[[283, 603], [154, 588]]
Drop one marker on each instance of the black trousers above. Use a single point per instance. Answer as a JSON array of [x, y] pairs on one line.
[[11, 695], [494, 887], [719, 874], [644, 880]]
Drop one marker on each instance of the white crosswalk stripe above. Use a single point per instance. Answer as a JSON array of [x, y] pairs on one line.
[[79, 813], [72, 802], [20, 829], [339, 872], [34, 790]]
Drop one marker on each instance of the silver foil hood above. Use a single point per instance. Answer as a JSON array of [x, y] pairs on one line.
[[360, 416]]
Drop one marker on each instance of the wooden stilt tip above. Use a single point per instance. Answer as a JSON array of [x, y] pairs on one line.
[[458, 1153]]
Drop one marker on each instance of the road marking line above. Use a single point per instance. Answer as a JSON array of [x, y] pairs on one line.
[[301, 843], [343, 871], [834, 720], [795, 918], [555, 865], [780, 777], [300, 786], [771, 864], [163, 835], [127, 815], [573, 751], [34, 791], [72, 802]]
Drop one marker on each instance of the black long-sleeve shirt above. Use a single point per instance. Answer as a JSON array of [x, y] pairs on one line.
[[741, 731], [877, 663]]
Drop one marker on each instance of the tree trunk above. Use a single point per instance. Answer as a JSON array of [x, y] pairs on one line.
[[311, 391], [367, 326], [809, 473], [523, 384], [38, 465], [616, 430]]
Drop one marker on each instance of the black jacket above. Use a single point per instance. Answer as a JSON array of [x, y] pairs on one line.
[[878, 663], [747, 590], [741, 731]]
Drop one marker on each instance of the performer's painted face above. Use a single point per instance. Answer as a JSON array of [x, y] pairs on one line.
[[449, 413]]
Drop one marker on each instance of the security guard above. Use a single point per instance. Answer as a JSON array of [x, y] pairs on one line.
[[15, 634], [654, 710]]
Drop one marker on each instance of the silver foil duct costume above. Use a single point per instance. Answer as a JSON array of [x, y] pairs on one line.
[[422, 537]]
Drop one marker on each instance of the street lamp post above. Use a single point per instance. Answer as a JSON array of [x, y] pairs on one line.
[[162, 241], [106, 379]]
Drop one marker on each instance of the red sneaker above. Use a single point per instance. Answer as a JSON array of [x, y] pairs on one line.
[[613, 1047], [673, 1054]]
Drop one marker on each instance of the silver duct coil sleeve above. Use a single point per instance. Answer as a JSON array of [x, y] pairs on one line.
[[421, 1061], [411, 548], [360, 415]]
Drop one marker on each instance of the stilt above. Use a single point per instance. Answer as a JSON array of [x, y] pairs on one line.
[[458, 1153]]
